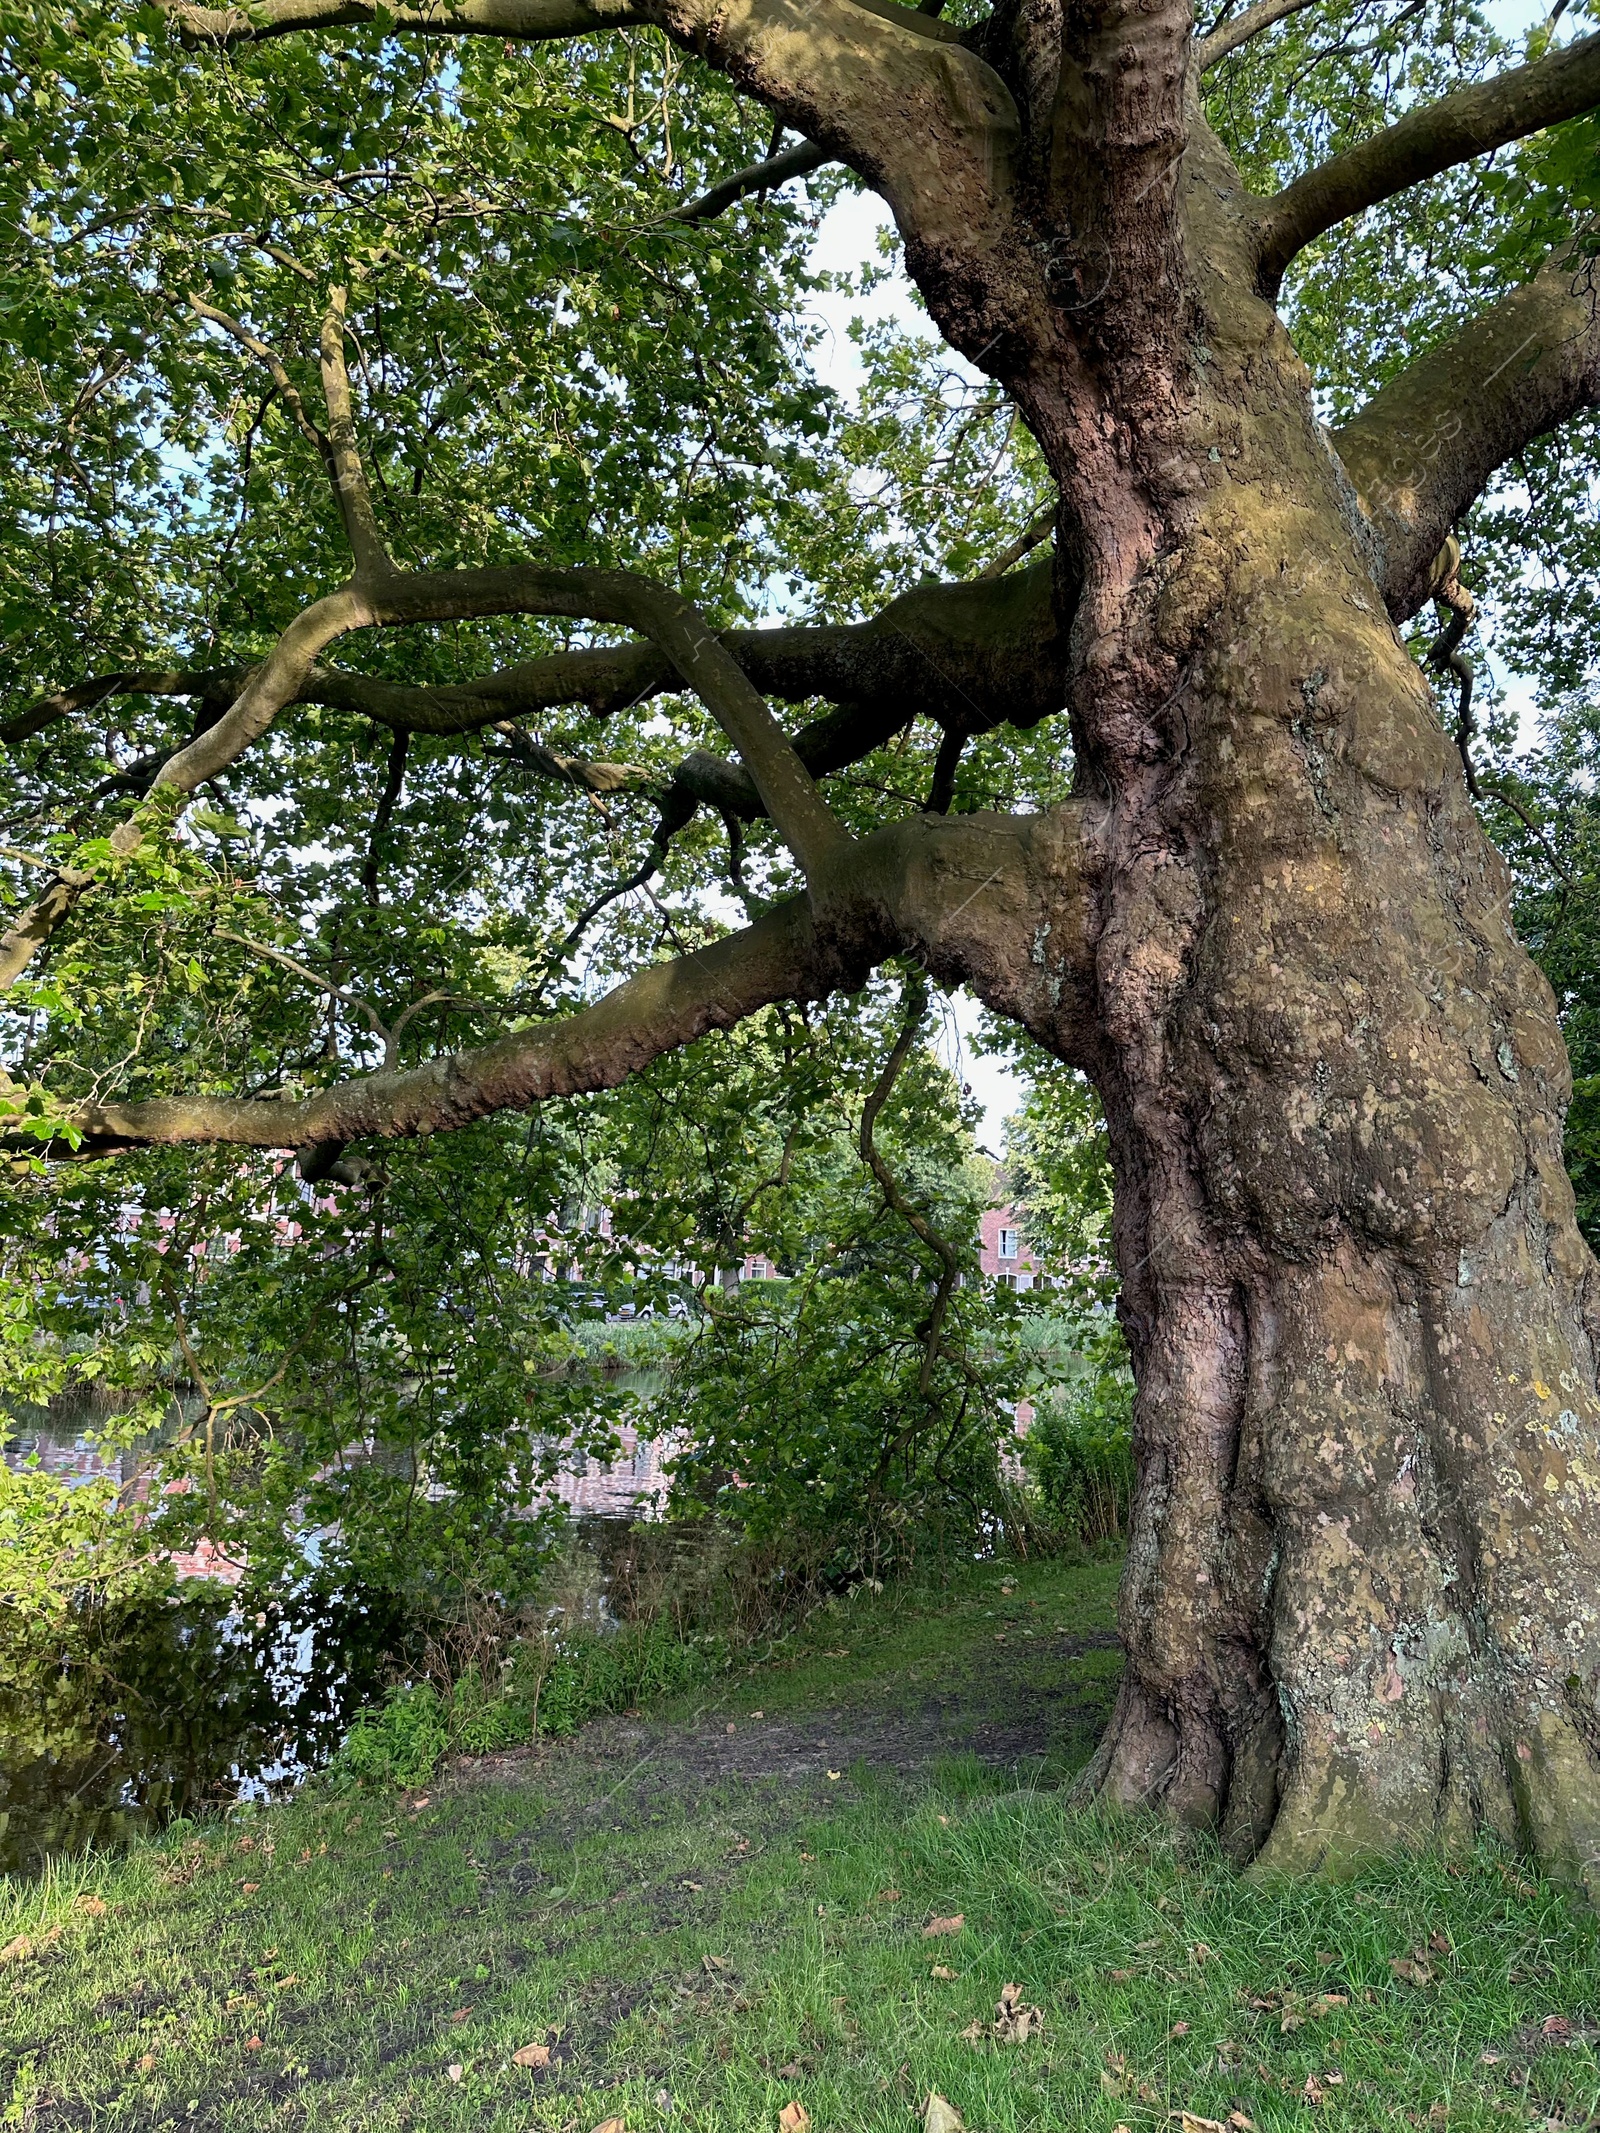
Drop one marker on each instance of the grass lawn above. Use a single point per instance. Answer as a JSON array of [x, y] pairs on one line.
[[700, 1926]]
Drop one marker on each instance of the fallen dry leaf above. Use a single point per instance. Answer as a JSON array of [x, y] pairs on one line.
[[888, 1895], [147, 2064], [939, 2116], [1014, 2021], [1121, 1977], [461, 2014], [1192, 2122], [249, 1887], [793, 2118], [1241, 2123], [1412, 1969], [455, 2071], [937, 1927], [730, 1727], [1555, 2026], [612, 2125], [252, 2044], [792, 2071], [94, 1905], [945, 1975], [531, 2055], [834, 1776]]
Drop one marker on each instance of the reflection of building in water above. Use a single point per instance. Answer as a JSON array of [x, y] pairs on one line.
[[61, 1440], [633, 1485]]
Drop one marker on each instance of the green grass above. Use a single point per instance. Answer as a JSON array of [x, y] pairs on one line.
[[697, 1951]]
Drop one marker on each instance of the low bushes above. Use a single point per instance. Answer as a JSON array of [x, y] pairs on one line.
[[548, 1684], [1079, 1450]]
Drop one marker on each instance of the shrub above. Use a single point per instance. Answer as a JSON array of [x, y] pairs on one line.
[[1079, 1451], [641, 1660], [397, 1742], [548, 1684]]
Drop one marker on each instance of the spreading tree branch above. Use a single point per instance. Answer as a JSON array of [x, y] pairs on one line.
[[1229, 36], [988, 651], [534, 21], [1425, 447], [664, 1007], [1454, 129], [931, 887], [1117, 137], [888, 89], [349, 476], [787, 791]]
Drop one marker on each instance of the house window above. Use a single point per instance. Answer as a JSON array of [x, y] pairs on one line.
[[1007, 1246]]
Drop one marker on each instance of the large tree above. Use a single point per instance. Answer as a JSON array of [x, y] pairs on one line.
[[1362, 1603]]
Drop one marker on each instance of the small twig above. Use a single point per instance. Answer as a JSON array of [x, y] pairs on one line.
[[399, 747], [379, 1028], [1024, 544], [915, 1007]]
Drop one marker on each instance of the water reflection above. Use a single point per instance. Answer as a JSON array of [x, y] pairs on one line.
[[215, 1695]]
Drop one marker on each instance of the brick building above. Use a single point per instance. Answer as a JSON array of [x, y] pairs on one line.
[[1002, 1253]]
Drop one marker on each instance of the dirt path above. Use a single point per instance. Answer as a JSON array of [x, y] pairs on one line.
[[1028, 1709]]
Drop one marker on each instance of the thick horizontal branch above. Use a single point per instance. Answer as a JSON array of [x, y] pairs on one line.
[[132, 681], [886, 88], [1422, 450], [978, 654], [1468, 122], [668, 1005], [530, 20], [966, 895], [788, 792]]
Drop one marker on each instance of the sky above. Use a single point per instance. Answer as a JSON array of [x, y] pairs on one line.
[[848, 239]]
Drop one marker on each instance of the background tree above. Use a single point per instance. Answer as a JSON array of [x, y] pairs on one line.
[[394, 398]]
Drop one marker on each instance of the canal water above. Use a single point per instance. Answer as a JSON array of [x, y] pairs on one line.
[[217, 1694]]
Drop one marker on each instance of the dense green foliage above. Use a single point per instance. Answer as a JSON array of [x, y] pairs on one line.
[[857, 1403]]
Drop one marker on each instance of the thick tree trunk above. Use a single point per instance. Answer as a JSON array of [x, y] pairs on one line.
[[1362, 1602]]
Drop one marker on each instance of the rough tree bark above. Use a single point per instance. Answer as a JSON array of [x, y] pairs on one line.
[[1362, 1603]]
